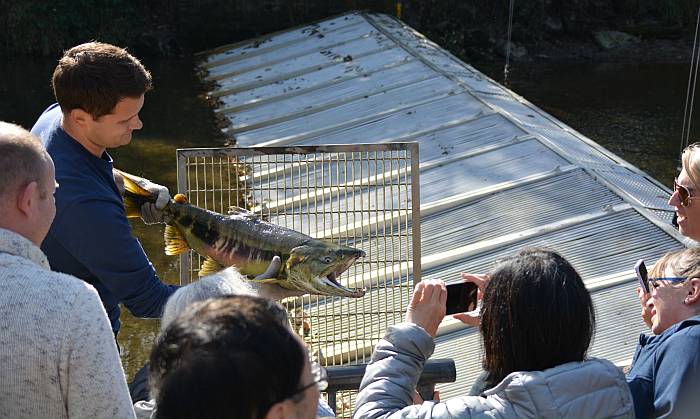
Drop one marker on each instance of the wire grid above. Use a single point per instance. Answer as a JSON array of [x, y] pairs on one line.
[[358, 195]]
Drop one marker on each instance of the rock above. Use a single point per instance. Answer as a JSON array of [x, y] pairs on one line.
[[613, 39], [517, 52], [553, 24]]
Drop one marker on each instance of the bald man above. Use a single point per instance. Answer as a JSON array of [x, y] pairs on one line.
[[58, 358]]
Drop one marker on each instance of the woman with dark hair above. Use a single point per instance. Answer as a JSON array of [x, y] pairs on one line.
[[537, 322]]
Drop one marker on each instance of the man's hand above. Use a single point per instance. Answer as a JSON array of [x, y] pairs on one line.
[[646, 311], [151, 213], [473, 318], [428, 305]]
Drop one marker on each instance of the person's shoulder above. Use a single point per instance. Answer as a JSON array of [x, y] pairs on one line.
[[47, 121], [684, 333], [69, 286]]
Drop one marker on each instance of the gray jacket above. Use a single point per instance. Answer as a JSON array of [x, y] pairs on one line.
[[594, 388]]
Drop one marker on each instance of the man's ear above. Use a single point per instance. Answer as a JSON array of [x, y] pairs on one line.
[[694, 291], [79, 117], [280, 410], [26, 198]]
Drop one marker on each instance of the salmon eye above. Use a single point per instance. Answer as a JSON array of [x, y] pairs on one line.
[[327, 259]]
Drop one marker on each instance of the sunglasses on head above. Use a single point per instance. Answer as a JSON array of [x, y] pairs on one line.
[[683, 193]]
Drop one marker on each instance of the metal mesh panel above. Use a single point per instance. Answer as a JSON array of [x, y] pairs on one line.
[[357, 195]]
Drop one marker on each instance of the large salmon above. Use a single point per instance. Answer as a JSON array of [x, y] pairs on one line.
[[244, 240]]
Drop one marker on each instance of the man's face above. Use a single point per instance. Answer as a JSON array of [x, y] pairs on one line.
[[115, 129], [306, 408], [46, 204]]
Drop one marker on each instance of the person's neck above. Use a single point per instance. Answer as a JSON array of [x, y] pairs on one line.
[[79, 136]]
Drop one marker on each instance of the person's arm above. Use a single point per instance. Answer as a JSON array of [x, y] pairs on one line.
[[95, 385], [390, 379], [677, 377], [388, 387], [98, 235]]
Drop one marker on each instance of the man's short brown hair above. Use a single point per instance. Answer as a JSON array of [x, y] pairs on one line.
[[95, 76], [22, 158]]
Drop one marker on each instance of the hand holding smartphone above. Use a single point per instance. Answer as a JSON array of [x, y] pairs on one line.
[[642, 277], [461, 297]]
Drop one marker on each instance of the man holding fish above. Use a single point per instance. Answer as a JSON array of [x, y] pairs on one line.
[[100, 91]]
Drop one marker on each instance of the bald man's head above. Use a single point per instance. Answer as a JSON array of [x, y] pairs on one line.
[[23, 159]]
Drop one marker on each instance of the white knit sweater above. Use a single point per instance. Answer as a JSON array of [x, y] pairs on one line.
[[58, 358]]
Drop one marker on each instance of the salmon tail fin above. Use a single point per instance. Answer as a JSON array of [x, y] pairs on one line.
[[175, 243], [210, 266], [134, 194]]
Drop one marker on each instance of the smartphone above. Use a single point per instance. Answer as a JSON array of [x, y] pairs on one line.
[[641, 271], [461, 297]]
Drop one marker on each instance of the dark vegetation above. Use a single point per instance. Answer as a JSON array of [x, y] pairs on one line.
[[465, 27]]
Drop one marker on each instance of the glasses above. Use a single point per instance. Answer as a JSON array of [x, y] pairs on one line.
[[683, 193], [654, 282], [320, 379]]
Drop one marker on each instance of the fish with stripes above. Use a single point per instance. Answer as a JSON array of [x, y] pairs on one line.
[[244, 240]]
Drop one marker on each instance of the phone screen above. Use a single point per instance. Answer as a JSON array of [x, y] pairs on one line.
[[641, 270], [461, 297]]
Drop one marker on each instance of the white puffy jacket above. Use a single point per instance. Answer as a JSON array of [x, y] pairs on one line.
[[594, 388]]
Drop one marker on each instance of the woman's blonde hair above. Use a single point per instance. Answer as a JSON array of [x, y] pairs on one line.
[[684, 263], [691, 162]]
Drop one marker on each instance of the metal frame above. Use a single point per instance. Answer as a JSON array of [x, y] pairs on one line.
[[300, 183]]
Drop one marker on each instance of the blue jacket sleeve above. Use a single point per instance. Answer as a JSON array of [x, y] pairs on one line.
[[97, 234], [677, 376]]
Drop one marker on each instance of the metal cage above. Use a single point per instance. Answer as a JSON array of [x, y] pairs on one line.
[[360, 195]]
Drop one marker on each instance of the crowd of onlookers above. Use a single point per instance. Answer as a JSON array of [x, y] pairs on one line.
[[67, 259]]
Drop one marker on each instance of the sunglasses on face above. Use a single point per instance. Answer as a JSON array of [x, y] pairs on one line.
[[683, 193]]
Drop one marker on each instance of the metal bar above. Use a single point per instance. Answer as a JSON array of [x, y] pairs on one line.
[[415, 212], [349, 377]]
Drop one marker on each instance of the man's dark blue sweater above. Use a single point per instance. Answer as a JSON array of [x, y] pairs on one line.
[[90, 238]]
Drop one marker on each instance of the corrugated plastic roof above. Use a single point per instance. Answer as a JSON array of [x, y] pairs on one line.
[[496, 172]]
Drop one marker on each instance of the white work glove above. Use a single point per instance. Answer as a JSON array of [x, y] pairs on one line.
[[151, 213]]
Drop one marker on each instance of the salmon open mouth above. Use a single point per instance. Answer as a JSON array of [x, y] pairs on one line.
[[331, 279]]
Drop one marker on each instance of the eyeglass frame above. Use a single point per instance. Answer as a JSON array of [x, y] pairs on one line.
[[653, 281], [320, 376], [683, 190]]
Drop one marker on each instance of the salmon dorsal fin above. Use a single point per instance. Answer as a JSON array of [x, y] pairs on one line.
[[234, 210], [210, 266], [175, 243]]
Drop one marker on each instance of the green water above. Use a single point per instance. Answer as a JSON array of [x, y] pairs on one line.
[[634, 110]]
